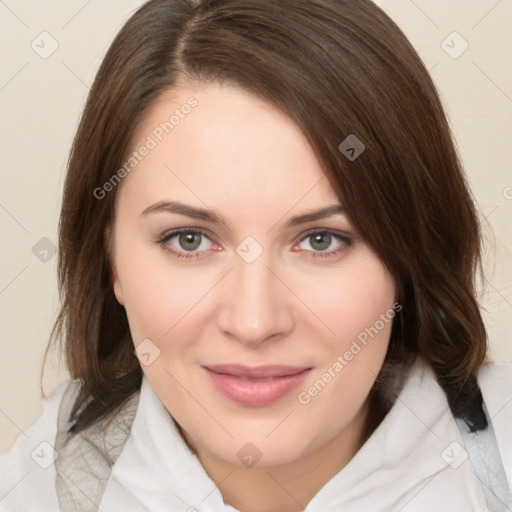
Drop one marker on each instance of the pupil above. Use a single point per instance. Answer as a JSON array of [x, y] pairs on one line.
[[320, 241]]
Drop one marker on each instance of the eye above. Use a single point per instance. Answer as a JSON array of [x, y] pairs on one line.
[[323, 243], [193, 243], [187, 243]]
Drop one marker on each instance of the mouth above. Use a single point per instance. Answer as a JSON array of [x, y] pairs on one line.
[[256, 386]]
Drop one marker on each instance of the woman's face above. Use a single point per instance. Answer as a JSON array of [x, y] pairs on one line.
[[260, 317]]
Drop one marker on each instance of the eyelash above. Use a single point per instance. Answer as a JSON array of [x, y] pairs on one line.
[[345, 240]]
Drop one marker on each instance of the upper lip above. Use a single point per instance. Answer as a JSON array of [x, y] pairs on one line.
[[256, 372]]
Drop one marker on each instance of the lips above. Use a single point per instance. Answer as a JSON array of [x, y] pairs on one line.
[[255, 386], [255, 373]]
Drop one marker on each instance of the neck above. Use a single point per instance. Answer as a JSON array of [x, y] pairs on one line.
[[288, 487]]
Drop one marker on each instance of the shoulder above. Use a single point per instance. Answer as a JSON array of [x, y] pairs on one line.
[[495, 380], [495, 370], [27, 472]]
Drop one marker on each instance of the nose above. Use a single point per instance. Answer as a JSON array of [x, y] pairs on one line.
[[256, 306]]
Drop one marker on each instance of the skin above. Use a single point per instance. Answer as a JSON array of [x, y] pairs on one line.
[[241, 158]]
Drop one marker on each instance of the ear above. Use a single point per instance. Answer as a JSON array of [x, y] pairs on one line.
[[399, 293], [116, 284]]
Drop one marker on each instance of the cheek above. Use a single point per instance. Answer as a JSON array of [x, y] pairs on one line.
[[359, 308], [352, 300], [162, 300]]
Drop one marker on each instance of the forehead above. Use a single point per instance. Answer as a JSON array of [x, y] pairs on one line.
[[221, 144]]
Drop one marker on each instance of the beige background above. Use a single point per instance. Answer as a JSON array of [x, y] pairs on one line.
[[41, 100]]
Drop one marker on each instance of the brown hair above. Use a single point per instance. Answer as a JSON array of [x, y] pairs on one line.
[[335, 67]]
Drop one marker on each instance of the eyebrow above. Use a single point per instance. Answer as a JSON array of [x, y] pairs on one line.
[[210, 216]]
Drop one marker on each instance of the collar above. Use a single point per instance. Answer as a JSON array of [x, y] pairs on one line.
[[414, 461]]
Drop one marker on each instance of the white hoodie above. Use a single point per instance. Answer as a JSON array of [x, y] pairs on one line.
[[415, 460]]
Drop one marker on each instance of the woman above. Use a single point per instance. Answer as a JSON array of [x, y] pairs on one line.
[[267, 255]]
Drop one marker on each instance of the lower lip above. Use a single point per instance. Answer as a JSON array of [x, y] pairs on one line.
[[256, 393]]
